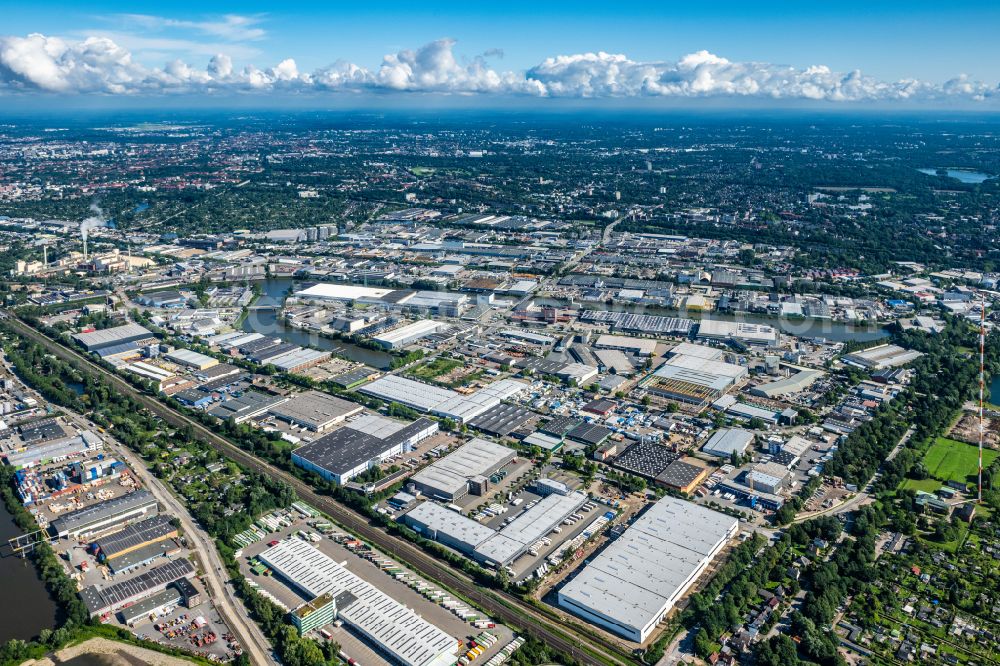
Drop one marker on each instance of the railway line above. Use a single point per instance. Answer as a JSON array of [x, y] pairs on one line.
[[507, 608]]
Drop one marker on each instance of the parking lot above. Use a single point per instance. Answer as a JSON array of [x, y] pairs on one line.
[[353, 645]]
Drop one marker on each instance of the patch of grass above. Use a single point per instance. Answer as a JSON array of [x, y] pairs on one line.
[[951, 460], [435, 368], [927, 485]]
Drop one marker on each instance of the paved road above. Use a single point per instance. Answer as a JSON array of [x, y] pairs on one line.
[[582, 646], [233, 612], [862, 497]]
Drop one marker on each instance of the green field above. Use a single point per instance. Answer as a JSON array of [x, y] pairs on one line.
[[436, 368], [950, 460]]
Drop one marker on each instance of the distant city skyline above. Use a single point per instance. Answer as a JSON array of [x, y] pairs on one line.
[[914, 54]]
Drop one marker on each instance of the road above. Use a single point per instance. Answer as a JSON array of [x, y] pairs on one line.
[[860, 498], [233, 612], [582, 646]]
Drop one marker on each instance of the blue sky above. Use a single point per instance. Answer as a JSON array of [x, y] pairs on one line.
[[752, 48]]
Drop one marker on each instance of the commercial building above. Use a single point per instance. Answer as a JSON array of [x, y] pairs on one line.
[[314, 614], [118, 595], [448, 478], [315, 410], [767, 477], [104, 515], [795, 383], [683, 475], [881, 357], [502, 420], [192, 359], [133, 537], [694, 387], [633, 583], [55, 450], [623, 343], [392, 627], [408, 334], [361, 444], [298, 359], [727, 441], [528, 528], [638, 323], [440, 401], [249, 405], [739, 331], [645, 459], [699, 351], [111, 337], [448, 527], [155, 604]]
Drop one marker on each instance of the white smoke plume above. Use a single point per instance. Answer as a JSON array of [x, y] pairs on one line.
[[98, 219]]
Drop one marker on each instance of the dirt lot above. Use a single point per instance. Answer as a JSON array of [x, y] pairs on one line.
[[967, 430]]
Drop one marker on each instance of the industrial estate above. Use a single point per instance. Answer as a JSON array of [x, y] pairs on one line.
[[450, 414]]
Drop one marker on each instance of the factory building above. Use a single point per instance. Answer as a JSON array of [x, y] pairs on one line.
[[191, 359], [390, 626], [408, 334], [119, 595], [55, 450], [298, 359], [636, 580], [133, 537], [315, 410], [361, 444], [104, 515], [624, 343], [795, 383], [723, 443], [881, 357], [738, 331], [528, 528], [448, 527], [96, 341], [440, 401], [250, 405], [448, 478]]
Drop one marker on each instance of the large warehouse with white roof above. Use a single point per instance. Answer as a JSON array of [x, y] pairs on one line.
[[633, 583], [441, 401], [391, 626], [448, 478]]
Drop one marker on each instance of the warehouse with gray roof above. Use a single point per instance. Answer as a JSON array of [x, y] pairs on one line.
[[637, 579], [103, 515], [315, 410], [448, 478]]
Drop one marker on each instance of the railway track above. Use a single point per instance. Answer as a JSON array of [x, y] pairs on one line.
[[507, 608]]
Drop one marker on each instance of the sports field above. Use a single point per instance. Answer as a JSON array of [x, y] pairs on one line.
[[950, 460]]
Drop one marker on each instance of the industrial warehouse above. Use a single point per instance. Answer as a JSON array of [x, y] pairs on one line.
[[389, 625], [451, 477], [634, 582], [440, 401], [483, 544], [408, 334], [101, 600], [104, 515], [315, 411], [362, 443]]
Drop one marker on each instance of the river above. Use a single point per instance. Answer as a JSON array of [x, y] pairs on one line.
[[268, 322], [29, 608], [966, 176], [805, 327]]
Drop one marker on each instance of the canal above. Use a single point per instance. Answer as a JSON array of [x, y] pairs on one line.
[[29, 608], [268, 322]]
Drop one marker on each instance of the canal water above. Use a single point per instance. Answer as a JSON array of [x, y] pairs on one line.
[[28, 608], [268, 322]]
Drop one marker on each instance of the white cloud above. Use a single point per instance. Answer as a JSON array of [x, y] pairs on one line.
[[231, 27], [101, 65]]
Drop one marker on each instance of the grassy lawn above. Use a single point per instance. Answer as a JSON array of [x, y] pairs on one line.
[[436, 368], [950, 460], [927, 485]]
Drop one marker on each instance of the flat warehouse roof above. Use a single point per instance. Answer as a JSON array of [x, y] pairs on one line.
[[643, 346], [346, 292], [456, 526], [97, 599], [135, 535], [418, 395], [315, 409], [502, 419], [639, 576], [111, 336], [530, 526], [81, 518], [395, 628], [452, 473]]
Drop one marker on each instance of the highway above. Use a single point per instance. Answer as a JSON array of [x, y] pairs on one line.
[[583, 647]]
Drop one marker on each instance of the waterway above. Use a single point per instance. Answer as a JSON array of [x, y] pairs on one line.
[[29, 608], [802, 327], [962, 175], [268, 322]]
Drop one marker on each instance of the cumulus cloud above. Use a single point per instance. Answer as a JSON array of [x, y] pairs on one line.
[[99, 65]]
